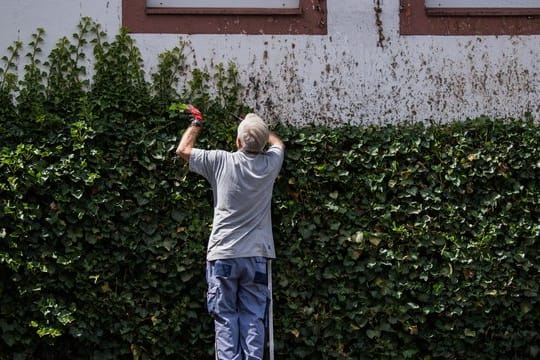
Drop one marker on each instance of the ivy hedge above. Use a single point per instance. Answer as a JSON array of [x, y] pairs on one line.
[[401, 241]]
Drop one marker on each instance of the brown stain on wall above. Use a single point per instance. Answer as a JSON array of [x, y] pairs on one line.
[[314, 83]]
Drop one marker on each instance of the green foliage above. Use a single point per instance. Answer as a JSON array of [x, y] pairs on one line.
[[66, 77], [172, 69], [8, 83], [409, 241], [399, 242]]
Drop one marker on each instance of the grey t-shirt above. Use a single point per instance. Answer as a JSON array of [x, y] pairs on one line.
[[242, 186]]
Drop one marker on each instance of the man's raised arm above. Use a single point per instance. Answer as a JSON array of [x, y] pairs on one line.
[[274, 140], [190, 135]]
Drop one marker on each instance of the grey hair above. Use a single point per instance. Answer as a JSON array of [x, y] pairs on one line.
[[253, 133]]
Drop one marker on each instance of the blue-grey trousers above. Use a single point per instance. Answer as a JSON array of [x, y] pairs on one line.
[[238, 299]]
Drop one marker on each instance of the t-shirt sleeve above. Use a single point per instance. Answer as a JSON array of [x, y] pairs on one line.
[[200, 162]]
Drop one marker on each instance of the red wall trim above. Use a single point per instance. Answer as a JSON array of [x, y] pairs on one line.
[[223, 11], [310, 19], [415, 20], [483, 11]]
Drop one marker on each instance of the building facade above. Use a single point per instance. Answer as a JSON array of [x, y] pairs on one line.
[[331, 61]]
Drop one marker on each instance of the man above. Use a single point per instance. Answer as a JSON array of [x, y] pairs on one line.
[[241, 241]]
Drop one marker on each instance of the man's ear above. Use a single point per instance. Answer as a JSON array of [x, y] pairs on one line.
[[238, 143]]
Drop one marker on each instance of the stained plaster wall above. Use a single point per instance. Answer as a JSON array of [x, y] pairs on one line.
[[350, 75]]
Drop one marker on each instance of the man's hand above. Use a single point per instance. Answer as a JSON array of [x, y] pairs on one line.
[[196, 113], [274, 140]]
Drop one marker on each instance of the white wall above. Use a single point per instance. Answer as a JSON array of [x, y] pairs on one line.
[[341, 77]]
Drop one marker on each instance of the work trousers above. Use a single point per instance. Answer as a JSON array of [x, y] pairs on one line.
[[238, 299]]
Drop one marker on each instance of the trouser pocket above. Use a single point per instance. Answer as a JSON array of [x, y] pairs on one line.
[[261, 275], [212, 298]]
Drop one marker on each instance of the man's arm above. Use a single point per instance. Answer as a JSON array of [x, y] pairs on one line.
[[190, 135], [188, 142], [274, 140]]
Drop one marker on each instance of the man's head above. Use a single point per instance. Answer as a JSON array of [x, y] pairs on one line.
[[252, 134]]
